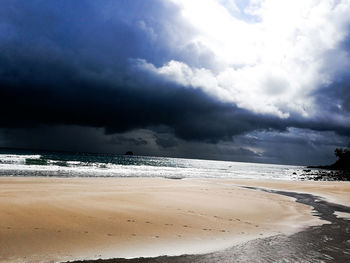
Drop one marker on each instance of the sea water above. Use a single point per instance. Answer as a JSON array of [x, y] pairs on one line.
[[59, 164]]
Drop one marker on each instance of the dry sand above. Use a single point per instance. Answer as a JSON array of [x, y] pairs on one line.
[[51, 219]]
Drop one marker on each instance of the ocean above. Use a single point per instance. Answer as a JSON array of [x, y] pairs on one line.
[[63, 164]]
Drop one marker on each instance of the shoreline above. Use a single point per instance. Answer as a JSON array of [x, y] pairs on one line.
[[66, 219]]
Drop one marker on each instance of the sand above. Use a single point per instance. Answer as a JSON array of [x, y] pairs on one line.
[[52, 219], [336, 192]]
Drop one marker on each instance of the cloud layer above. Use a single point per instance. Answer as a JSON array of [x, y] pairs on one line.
[[208, 71]]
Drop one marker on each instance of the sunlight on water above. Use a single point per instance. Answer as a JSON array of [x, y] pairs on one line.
[[93, 165]]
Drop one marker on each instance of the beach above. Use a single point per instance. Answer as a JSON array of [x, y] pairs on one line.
[[175, 131], [62, 219]]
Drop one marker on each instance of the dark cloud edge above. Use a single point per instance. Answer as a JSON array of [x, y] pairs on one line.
[[52, 92]]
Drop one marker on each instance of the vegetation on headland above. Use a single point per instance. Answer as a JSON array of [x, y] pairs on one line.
[[343, 162], [340, 169]]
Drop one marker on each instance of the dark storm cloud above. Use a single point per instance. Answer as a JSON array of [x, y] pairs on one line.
[[75, 138], [166, 141], [124, 140], [334, 99], [73, 63], [337, 96], [101, 34], [298, 146], [54, 92]]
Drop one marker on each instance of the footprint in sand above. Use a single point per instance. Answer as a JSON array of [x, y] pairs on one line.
[[86, 232], [134, 235], [237, 219], [185, 226], [223, 230], [148, 222], [109, 235], [9, 227], [156, 236], [36, 228]]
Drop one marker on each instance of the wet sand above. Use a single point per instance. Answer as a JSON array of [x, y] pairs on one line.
[[50, 219]]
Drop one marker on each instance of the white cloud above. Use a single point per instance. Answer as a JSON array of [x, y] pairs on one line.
[[271, 66]]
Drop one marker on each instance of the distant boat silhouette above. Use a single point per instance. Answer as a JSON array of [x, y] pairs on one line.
[[129, 153]]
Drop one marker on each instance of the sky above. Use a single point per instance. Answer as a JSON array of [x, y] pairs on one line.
[[240, 80]]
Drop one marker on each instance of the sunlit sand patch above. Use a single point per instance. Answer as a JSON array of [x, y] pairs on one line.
[[52, 219]]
